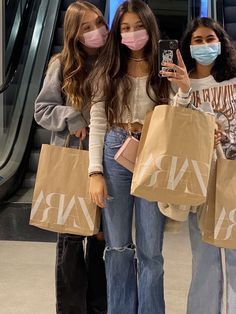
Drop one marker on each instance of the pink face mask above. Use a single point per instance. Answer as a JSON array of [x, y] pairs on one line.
[[96, 38], [135, 40]]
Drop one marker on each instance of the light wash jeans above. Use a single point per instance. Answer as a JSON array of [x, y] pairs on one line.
[[206, 290], [133, 286]]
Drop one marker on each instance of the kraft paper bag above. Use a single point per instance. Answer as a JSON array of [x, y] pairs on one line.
[[219, 225], [206, 213], [174, 156], [61, 200]]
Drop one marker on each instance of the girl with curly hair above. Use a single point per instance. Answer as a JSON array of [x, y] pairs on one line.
[[210, 57]]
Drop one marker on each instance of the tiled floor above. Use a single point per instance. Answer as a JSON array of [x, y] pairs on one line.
[[27, 275]]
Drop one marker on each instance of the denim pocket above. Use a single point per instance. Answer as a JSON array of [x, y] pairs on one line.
[[114, 140]]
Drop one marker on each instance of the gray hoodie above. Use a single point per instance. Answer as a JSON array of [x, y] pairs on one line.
[[53, 112]]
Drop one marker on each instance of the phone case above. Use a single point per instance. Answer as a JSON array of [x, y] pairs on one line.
[[167, 53], [126, 155]]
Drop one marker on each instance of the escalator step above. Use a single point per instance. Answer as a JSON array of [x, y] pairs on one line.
[[19, 71], [33, 160], [58, 37], [11, 95], [29, 180], [60, 20]]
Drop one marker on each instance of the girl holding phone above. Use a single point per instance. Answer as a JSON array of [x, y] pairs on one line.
[[126, 85]]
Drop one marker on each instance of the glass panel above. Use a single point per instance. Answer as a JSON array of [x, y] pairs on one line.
[[172, 16], [113, 5], [204, 8]]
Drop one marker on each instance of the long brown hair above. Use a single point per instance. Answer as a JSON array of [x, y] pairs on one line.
[[72, 56], [110, 80]]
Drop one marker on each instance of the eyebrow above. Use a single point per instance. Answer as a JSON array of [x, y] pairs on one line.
[[85, 23], [200, 37], [88, 22], [125, 23]]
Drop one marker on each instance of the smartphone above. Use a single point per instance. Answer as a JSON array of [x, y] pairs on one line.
[[167, 53]]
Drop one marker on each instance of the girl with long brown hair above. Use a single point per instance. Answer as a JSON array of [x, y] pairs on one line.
[[62, 107], [126, 84]]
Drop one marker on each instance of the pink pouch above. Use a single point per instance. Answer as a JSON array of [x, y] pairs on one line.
[[126, 155]]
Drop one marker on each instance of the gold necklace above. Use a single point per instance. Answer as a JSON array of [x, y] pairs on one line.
[[137, 59]]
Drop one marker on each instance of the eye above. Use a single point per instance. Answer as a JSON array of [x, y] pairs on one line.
[[99, 21], [211, 39], [140, 26], [124, 29], [197, 41], [86, 29]]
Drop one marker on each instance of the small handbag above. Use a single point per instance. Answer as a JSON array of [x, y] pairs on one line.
[[126, 155]]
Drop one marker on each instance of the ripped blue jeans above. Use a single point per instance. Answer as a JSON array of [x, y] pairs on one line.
[[133, 285]]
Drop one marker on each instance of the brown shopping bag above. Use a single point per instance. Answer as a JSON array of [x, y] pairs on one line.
[[61, 200], [206, 213], [174, 156], [218, 220]]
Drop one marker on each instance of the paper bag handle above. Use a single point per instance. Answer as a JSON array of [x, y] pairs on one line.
[[67, 142], [219, 151]]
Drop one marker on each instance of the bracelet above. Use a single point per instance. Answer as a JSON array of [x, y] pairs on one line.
[[185, 95], [95, 173]]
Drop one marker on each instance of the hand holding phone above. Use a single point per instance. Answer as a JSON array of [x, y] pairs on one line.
[[174, 69], [167, 54]]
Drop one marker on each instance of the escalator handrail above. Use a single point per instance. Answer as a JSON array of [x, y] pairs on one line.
[[16, 53], [36, 24], [14, 28], [10, 169]]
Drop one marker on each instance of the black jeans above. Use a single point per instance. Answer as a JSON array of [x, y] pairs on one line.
[[80, 280]]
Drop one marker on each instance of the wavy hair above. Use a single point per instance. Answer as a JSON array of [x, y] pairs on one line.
[[72, 56], [110, 82], [225, 64]]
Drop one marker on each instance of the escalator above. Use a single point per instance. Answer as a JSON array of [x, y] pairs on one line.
[[21, 138], [225, 13]]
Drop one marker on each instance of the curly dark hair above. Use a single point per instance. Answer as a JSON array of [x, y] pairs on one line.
[[225, 64]]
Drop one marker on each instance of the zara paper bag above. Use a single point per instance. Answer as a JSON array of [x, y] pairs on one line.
[[174, 156], [61, 200], [218, 222]]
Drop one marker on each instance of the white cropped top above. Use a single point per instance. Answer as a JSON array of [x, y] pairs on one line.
[[140, 104]]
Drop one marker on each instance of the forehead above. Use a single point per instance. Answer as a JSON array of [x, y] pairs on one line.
[[88, 16], [130, 18], [203, 32]]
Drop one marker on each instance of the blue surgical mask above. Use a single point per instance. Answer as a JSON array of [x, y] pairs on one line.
[[205, 54]]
